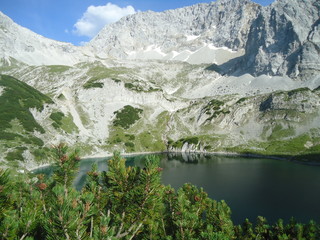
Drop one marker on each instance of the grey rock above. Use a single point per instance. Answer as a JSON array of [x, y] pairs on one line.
[[299, 100], [283, 40], [222, 23], [280, 39]]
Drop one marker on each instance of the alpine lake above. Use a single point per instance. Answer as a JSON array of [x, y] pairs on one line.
[[250, 186]]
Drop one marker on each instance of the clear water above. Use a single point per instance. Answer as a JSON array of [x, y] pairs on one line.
[[251, 186]]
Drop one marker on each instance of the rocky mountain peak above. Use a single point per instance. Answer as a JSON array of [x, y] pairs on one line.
[[26, 46], [278, 40], [178, 34], [4, 19]]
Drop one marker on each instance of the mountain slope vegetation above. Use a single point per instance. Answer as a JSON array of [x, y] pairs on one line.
[[227, 76]]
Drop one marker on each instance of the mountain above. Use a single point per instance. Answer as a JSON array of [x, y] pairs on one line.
[[279, 39], [28, 47], [228, 76], [203, 33]]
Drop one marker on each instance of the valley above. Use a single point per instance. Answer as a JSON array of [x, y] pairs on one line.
[[245, 91], [224, 95]]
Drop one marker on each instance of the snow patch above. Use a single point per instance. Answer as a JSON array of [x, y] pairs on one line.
[[192, 37], [211, 46], [205, 54], [149, 48], [158, 50]]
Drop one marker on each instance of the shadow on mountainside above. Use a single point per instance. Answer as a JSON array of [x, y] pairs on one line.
[[233, 67]]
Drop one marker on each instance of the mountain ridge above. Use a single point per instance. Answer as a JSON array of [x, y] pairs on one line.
[[172, 33], [281, 47]]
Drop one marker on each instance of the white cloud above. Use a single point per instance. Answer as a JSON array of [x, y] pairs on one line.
[[96, 17]]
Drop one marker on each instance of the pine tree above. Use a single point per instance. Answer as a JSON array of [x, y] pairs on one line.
[[66, 166], [123, 203], [219, 215], [188, 211], [262, 229], [70, 211], [247, 232], [279, 231], [20, 213], [311, 231], [134, 195], [5, 198]]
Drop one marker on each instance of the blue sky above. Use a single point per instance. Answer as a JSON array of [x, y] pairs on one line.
[[78, 21]]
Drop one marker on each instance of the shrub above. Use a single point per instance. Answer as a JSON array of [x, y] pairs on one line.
[[16, 101], [127, 116], [15, 155], [92, 83], [122, 203], [129, 144]]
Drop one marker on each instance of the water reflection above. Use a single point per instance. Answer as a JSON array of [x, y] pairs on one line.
[[251, 186]]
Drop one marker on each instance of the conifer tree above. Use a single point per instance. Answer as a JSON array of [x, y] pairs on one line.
[[189, 209], [134, 194], [246, 231], [5, 199], [70, 211], [279, 231], [66, 166], [122, 203], [8, 223], [311, 231], [219, 215]]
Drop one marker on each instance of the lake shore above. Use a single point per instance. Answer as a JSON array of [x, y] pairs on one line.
[[231, 154]]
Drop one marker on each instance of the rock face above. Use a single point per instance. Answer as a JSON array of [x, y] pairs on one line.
[[280, 39], [28, 47], [173, 29], [283, 40], [219, 27]]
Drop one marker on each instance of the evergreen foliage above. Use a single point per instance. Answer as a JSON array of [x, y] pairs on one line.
[[92, 83], [122, 203], [16, 101], [214, 108], [57, 118], [182, 141], [127, 116]]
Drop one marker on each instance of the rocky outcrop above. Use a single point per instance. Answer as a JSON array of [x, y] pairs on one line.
[[28, 47], [283, 40], [280, 39], [309, 64], [221, 24], [299, 100]]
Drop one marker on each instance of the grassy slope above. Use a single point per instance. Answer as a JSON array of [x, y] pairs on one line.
[[17, 124], [277, 138]]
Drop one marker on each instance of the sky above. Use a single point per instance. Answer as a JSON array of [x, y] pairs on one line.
[[78, 21]]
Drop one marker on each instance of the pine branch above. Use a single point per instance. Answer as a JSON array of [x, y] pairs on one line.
[[135, 232]]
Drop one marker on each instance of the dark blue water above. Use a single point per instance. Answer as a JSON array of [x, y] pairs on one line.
[[251, 186]]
